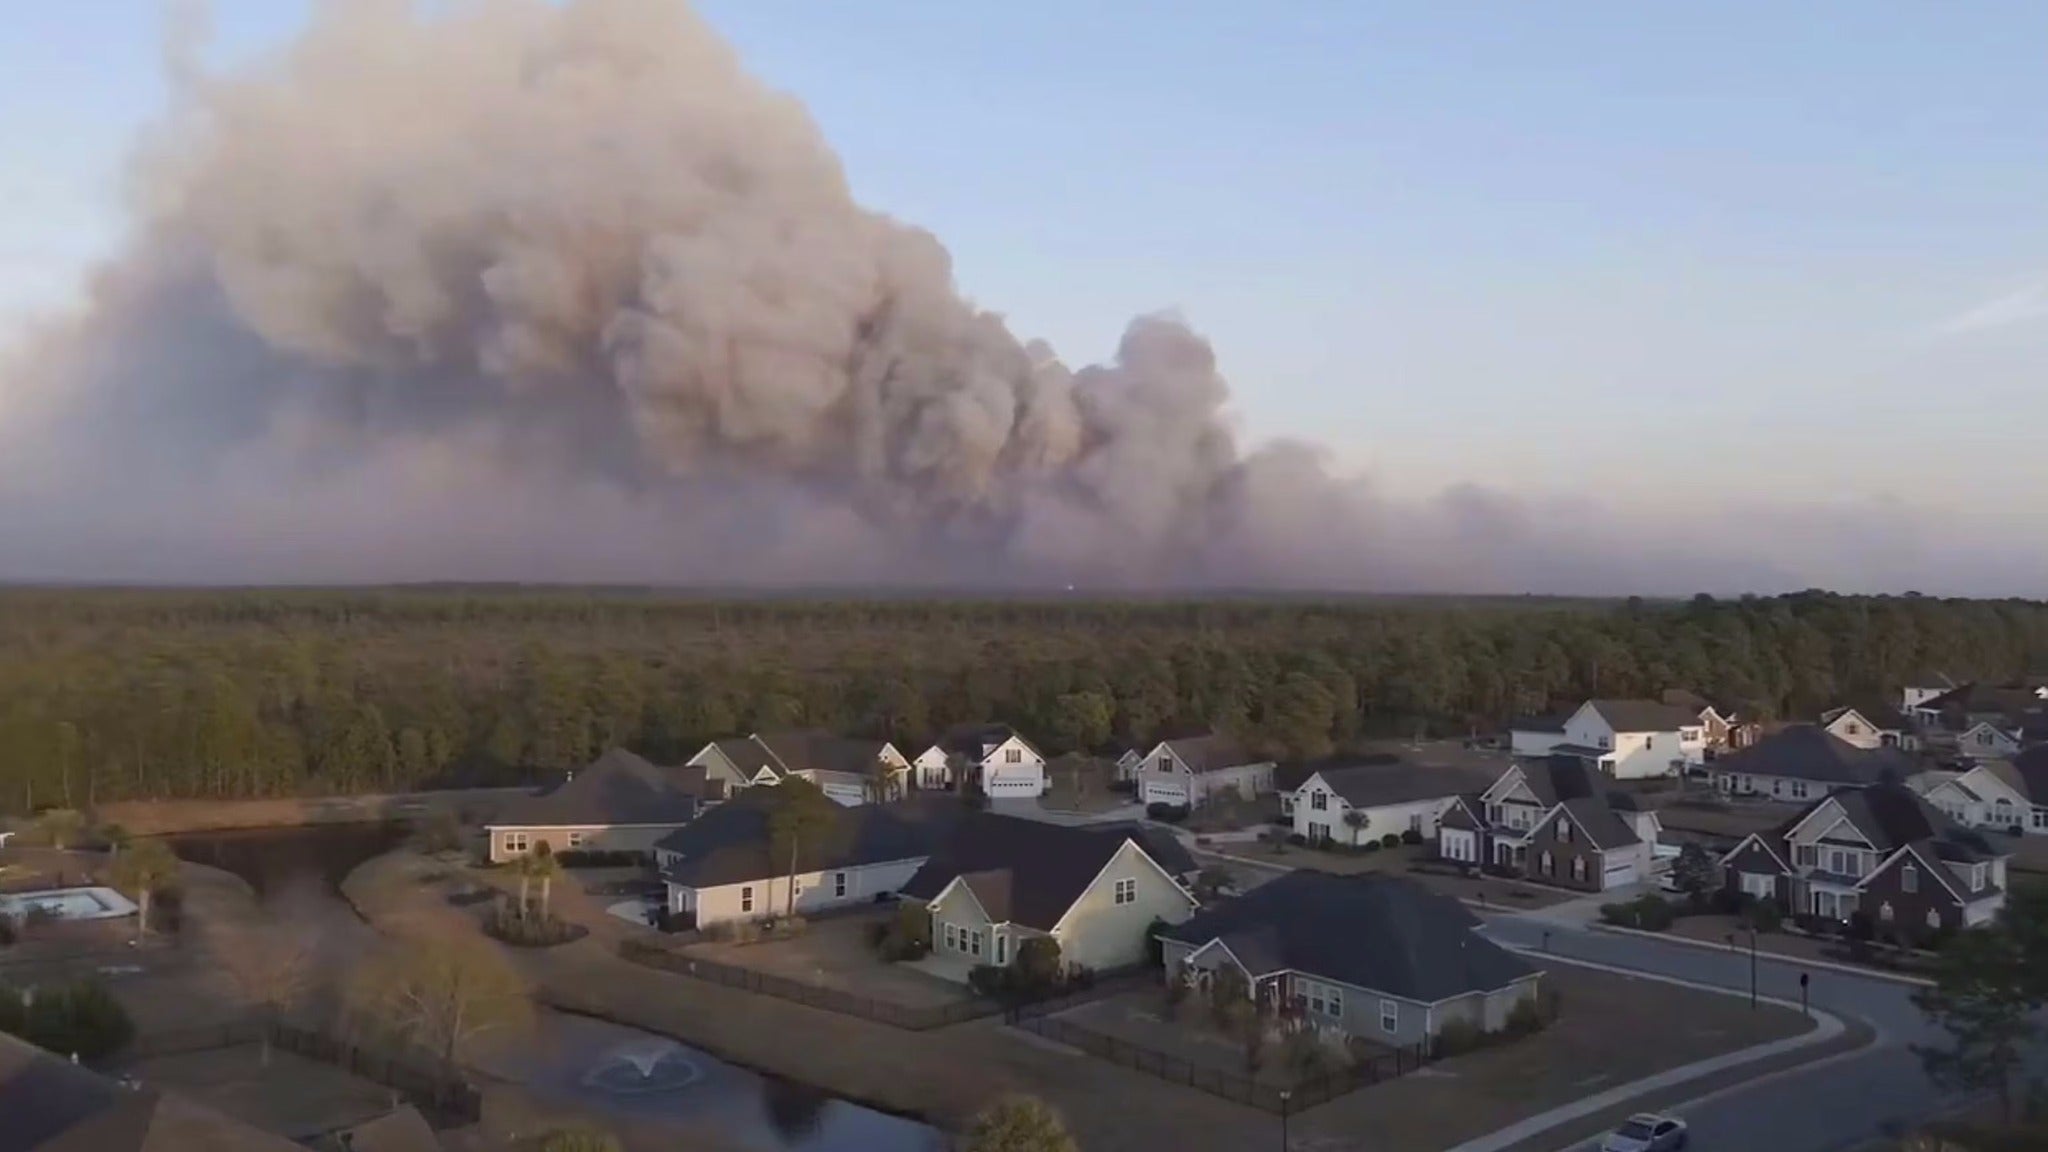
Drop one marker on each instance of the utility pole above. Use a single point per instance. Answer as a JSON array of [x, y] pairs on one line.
[[1284, 1097]]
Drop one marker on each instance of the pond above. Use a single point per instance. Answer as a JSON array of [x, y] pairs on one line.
[[274, 860], [644, 1078]]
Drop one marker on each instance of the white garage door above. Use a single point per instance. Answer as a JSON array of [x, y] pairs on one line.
[[1620, 874], [998, 785], [1158, 792]]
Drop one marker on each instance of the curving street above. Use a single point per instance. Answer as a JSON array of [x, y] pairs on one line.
[[1833, 1105]]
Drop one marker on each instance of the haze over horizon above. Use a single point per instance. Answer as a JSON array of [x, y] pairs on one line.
[[575, 293]]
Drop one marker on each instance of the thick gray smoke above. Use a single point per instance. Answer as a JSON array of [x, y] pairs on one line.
[[526, 291]]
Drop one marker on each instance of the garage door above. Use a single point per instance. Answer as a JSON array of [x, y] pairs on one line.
[[1620, 874], [1011, 786], [1165, 793]]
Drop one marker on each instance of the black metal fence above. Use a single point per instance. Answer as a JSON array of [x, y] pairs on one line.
[[920, 1018], [440, 1094], [1304, 1093]]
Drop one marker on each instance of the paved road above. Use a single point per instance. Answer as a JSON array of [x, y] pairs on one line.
[[1818, 1110]]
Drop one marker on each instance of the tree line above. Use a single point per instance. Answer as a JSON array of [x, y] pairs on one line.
[[109, 694]]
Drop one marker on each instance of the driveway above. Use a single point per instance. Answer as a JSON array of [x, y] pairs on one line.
[[1031, 809], [1818, 1109]]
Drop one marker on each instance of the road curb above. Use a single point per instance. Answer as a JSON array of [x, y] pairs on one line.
[[1763, 953], [1827, 1026]]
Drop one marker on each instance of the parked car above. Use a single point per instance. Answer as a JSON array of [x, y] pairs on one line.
[[1646, 1132]]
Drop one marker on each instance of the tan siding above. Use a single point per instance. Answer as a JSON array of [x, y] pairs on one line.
[[597, 838], [1100, 933]]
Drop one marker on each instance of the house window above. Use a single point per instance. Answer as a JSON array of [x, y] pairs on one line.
[[1838, 862], [747, 898], [839, 885], [1606, 742], [952, 939], [974, 943], [515, 841], [1319, 800], [1809, 856], [1002, 949], [1799, 789], [1318, 831], [1548, 866], [1933, 918], [1127, 891], [1578, 867], [1909, 879], [1884, 912], [2041, 819], [1013, 755], [1324, 1000], [1564, 830], [578, 838], [2002, 813], [1390, 1017], [1976, 877]]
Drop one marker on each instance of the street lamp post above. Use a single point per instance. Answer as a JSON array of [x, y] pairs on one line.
[[1285, 1095], [1752, 962]]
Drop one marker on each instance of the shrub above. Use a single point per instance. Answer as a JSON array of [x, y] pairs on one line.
[[1530, 1016], [439, 833], [1765, 916], [1456, 1038], [1036, 966], [990, 981], [1169, 813], [787, 927], [8, 932], [1648, 913], [593, 858], [1369, 846], [1412, 837], [1298, 840], [530, 931], [1308, 1057], [1391, 840], [579, 1140]]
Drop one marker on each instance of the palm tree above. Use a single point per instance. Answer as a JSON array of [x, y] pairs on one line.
[[1356, 821], [544, 867], [61, 825], [142, 870], [882, 782], [115, 838]]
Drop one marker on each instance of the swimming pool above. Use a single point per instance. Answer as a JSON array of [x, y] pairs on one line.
[[69, 903]]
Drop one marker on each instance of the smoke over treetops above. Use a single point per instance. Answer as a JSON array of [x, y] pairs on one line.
[[526, 291]]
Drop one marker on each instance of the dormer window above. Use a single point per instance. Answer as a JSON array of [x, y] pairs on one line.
[[1606, 742]]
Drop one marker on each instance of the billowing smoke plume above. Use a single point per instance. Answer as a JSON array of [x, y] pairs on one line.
[[530, 291]]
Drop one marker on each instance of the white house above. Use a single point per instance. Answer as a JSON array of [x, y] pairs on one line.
[[1351, 803], [1987, 741], [1924, 687], [1998, 795], [1191, 770], [1532, 736], [1633, 739], [618, 803], [722, 868], [848, 769], [1006, 763], [1868, 728], [1803, 762], [1002, 880]]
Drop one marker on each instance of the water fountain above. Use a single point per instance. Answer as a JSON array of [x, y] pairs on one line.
[[642, 1067]]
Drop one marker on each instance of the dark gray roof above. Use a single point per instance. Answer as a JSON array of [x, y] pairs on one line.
[[820, 751], [2031, 766], [1809, 752], [1381, 933], [1644, 715], [51, 1105], [1600, 823], [1210, 753], [969, 743], [1976, 699], [1374, 784], [1892, 816], [616, 788], [1883, 717], [1555, 778], [1161, 845], [730, 843], [1043, 867], [747, 754]]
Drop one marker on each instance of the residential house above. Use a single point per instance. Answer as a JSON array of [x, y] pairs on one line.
[[1989, 740], [1533, 736], [49, 1104], [724, 866], [1289, 776], [1721, 729], [1378, 957], [2001, 795], [1624, 739], [1881, 849], [1006, 764], [618, 803], [1801, 762], [1129, 764], [848, 769], [1549, 820], [1001, 880], [1924, 687], [1353, 801], [1958, 711], [1191, 770], [1870, 726]]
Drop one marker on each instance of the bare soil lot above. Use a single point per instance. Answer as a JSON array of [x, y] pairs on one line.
[[834, 953]]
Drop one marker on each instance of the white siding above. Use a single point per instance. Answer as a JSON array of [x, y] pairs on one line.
[[1458, 844], [1522, 742], [1101, 933], [1632, 755], [816, 891], [594, 838], [1013, 769], [932, 770], [1396, 818]]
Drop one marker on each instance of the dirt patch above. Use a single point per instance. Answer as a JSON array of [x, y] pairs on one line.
[[834, 953], [1189, 1036], [161, 817]]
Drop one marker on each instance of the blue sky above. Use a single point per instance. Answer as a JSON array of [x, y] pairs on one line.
[[1642, 252]]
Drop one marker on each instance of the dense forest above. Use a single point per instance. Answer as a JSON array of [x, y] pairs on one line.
[[110, 694]]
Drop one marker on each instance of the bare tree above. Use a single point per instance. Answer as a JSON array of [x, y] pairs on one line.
[[275, 966], [440, 992]]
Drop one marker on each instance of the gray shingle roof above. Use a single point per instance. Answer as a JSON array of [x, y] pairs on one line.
[[1381, 933], [616, 788], [1600, 823], [821, 751], [1372, 785], [52, 1105], [2031, 767], [1808, 752], [1211, 753], [1555, 778], [1644, 715], [1044, 867], [730, 843]]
